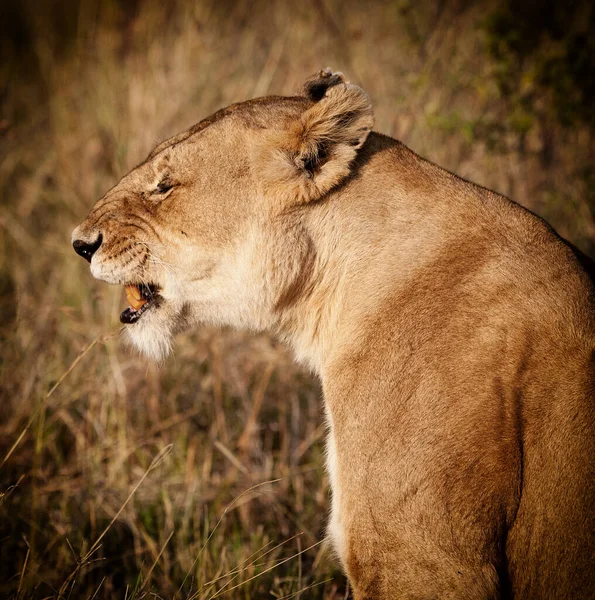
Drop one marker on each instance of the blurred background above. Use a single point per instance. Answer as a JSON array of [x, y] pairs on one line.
[[203, 477]]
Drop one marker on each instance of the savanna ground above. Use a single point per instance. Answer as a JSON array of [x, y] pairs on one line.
[[203, 477]]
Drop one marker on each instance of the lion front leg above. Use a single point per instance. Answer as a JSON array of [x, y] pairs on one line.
[[396, 565]]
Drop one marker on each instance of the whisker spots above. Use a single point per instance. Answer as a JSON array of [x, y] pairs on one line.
[[150, 226]]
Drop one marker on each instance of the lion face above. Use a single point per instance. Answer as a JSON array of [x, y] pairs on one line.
[[200, 231]]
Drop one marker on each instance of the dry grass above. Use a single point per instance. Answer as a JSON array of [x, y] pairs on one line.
[[202, 477]]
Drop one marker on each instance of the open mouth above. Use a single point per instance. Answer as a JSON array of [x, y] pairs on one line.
[[141, 298]]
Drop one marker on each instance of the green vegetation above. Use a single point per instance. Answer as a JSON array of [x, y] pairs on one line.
[[123, 479]]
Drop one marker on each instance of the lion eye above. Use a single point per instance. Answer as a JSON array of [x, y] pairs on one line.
[[162, 190], [164, 187]]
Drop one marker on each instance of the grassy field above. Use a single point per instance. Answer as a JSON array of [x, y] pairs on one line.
[[203, 477]]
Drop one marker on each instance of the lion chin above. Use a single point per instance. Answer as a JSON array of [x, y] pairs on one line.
[[153, 334]]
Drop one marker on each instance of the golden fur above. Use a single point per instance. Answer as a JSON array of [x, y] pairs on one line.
[[453, 332]]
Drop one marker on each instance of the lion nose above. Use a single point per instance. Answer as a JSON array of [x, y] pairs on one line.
[[85, 249]]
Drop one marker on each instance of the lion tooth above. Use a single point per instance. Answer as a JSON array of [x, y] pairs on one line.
[[138, 303], [134, 298], [133, 291]]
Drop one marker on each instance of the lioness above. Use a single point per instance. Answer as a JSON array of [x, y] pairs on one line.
[[453, 331]]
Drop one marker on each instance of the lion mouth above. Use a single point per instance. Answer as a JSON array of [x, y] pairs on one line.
[[141, 297]]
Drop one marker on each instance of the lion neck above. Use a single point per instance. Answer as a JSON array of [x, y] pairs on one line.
[[320, 309]]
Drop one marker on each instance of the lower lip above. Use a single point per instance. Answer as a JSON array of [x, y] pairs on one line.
[[129, 315]]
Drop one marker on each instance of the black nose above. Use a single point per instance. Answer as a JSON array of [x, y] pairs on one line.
[[87, 250]]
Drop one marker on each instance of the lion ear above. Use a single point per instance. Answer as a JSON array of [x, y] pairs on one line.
[[314, 152]]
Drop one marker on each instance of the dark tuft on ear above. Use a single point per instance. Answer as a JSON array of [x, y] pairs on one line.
[[314, 152], [315, 88]]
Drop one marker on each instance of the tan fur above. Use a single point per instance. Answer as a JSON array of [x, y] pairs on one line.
[[453, 332]]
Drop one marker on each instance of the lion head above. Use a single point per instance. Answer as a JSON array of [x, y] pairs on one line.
[[211, 226]]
